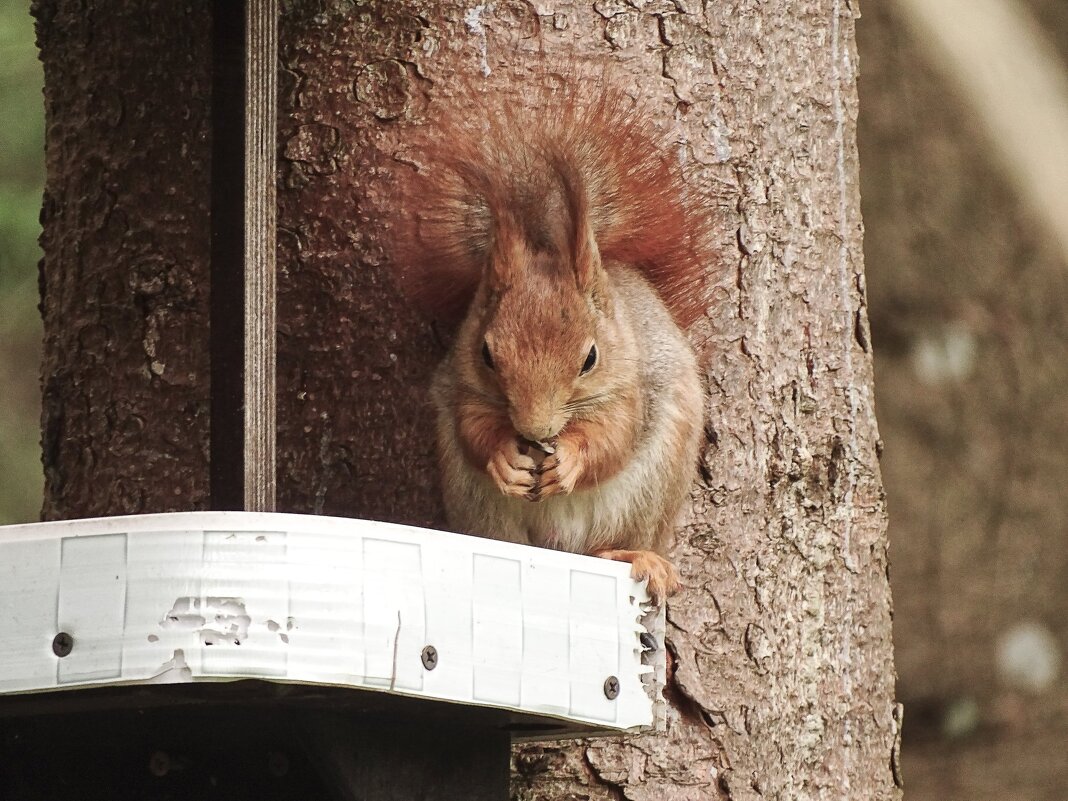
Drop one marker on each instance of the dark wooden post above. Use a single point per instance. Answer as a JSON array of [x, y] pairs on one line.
[[227, 743]]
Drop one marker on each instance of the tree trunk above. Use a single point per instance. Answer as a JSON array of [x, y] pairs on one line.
[[784, 678], [124, 279]]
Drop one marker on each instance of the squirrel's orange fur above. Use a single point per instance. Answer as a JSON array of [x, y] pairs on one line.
[[485, 153], [566, 248]]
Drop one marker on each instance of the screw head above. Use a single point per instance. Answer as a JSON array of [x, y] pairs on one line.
[[159, 764], [611, 688], [62, 644], [430, 657]]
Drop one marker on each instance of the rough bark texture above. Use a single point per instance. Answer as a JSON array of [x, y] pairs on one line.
[[784, 683], [967, 309], [124, 280], [353, 361]]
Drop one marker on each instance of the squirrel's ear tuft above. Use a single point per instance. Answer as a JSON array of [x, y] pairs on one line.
[[580, 240], [585, 256]]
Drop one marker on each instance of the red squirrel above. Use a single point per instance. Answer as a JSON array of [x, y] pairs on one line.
[[567, 248]]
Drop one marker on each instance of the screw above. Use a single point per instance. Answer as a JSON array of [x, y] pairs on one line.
[[611, 688], [648, 641], [159, 764], [430, 657], [62, 644]]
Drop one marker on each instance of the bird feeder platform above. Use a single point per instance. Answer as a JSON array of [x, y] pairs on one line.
[[323, 616]]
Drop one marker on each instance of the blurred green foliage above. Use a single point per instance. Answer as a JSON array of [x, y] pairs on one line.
[[21, 182]]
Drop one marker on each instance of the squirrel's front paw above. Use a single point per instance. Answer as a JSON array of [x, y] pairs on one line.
[[513, 472], [559, 472]]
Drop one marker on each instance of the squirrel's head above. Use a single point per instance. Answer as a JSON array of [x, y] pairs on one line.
[[543, 340]]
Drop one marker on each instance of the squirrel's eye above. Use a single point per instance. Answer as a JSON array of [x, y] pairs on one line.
[[486, 357], [591, 360]]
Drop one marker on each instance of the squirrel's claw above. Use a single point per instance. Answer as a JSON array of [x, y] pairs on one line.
[[512, 472], [559, 473], [663, 579]]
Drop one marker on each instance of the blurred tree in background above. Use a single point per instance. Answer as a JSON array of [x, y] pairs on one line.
[[967, 299], [21, 180]]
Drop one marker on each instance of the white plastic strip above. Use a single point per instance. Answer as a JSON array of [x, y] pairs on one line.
[[226, 595]]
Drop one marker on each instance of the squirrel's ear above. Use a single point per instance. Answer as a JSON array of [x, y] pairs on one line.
[[581, 243]]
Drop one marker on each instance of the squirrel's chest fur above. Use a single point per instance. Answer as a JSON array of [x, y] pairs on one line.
[[638, 506]]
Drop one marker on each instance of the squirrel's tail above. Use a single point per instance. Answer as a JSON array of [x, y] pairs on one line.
[[486, 156]]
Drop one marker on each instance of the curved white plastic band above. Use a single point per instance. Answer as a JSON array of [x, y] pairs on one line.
[[209, 596]]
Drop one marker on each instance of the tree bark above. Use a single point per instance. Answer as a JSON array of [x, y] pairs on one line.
[[124, 279], [784, 678]]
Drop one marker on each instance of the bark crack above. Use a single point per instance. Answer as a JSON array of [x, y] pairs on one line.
[[616, 789]]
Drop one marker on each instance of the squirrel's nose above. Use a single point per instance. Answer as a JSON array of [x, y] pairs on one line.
[[535, 427]]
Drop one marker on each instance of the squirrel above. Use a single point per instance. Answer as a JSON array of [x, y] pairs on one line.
[[568, 254]]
